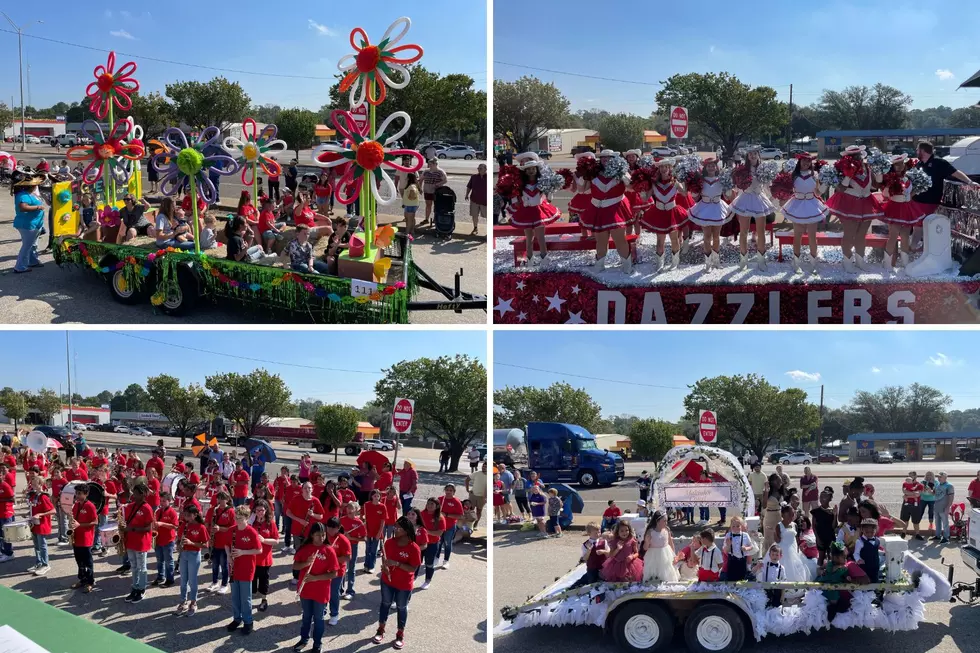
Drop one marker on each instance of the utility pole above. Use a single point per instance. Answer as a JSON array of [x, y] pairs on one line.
[[820, 428], [789, 127], [20, 71], [71, 417]]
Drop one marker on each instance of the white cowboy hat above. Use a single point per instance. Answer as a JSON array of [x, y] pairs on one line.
[[608, 153], [900, 158], [528, 160], [852, 150], [753, 148], [584, 155], [666, 161], [634, 152]]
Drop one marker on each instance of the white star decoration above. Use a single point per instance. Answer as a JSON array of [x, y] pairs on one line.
[[521, 316], [575, 318], [520, 285], [503, 306], [535, 299], [554, 303], [974, 300], [576, 290]]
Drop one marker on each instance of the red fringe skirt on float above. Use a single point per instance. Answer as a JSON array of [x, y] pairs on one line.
[[905, 214], [637, 204], [608, 218], [662, 222], [581, 202], [532, 217], [848, 207]]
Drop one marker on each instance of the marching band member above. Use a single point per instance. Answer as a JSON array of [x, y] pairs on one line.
[[152, 487], [356, 533], [58, 483], [221, 520], [452, 510], [99, 476], [805, 210], [637, 203], [531, 210], [244, 547], [7, 499], [374, 513], [342, 548], [290, 491], [193, 538], [155, 463], [609, 214], [582, 199], [138, 519], [331, 501], [666, 216], [711, 212], [754, 203], [435, 526], [240, 481], [856, 207], [265, 526], [402, 558], [84, 519], [303, 510], [278, 492], [393, 505], [317, 566], [902, 213], [165, 525], [41, 510]]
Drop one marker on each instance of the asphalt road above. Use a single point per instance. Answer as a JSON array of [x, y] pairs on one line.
[[523, 564]]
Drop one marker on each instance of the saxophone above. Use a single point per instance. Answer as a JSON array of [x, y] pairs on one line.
[[231, 557], [120, 537]]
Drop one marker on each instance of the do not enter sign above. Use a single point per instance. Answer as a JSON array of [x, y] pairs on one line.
[[707, 427], [401, 416], [678, 122]]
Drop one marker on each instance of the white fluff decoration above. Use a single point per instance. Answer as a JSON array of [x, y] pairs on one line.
[[828, 175], [549, 181], [646, 161], [725, 177], [919, 181], [616, 167], [685, 165], [878, 161], [766, 172]]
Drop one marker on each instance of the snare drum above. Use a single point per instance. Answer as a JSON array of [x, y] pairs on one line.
[[17, 531], [108, 533], [96, 494], [170, 483]]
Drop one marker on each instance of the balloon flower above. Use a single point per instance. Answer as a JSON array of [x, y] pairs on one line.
[[375, 64], [367, 157], [254, 150], [112, 87], [180, 162], [112, 153]]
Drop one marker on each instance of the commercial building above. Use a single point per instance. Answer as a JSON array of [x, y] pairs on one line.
[[36, 126], [940, 444], [561, 141], [831, 142], [81, 414], [146, 420]]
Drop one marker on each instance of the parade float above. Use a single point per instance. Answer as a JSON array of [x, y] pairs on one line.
[[377, 280], [723, 617]]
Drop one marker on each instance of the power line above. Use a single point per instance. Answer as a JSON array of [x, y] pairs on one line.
[[565, 72], [593, 378], [240, 357]]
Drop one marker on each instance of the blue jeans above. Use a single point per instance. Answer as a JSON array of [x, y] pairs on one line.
[[241, 601], [287, 528], [312, 616], [335, 584], [278, 512], [929, 505], [429, 560], [371, 553], [704, 513], [239, 501], [219, 561], [165, 562], [349, 585], [942, 522], [722, 512], [446, 543], [62, 520], [27, 256], [319, 267], [97, 546], [41, 549], [190, 567], [137, 560], [400, 598], [406, 505]]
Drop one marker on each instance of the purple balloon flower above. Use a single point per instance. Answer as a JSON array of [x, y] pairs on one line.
[[209, 146]]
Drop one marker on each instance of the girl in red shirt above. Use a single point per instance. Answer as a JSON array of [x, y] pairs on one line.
[[375, 513], [278, 492], [435, 526], [165, 525], [244, 548], [193, 539], [330, 501], [317, 566], [153, 487], [392, 504], [356, 532], [268, 537], [221, 518], [402, 557], [342, 547], [323, 190], [41, 510]]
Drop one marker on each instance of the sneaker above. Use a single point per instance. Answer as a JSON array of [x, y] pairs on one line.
[[300, 645], [264, 605], [191, 609], [333, 621], [247, 629], [348, 596], [944, 541], [233, 626], [444, 565], [379, 636], [293, 582], [224, 589], [424, 586], [919, 537], [130, 597], [41, 570], [181, 607], [89, 589], [125, 569], [157, 581], [137, 598], [6, 558], [77, 585], [935, 538], [212, 589], [399, 640]]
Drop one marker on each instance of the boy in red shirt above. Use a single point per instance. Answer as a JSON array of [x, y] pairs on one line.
[[244, 546], [41, 511], [356, 533], [84, 520], [610, 515], [341, 546], [138, 519], [374, 513], [7, 499], [155, 463], [98, 477], [221, 520], [76, 472], [402, 558], [179, 466], [165, 524], [240, 481], [290, 491], [452, 509]]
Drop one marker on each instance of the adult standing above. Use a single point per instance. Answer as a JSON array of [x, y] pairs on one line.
[[476, 193], [408, 484], [939, 170], [291, 174], [476, 485], [474, 457], [758, 481], [643, 484], [28, 219], [945, 494], [444, 457], [215, 455], [507, 479], [911, 505], [772, 501], [434, 177], [787, 481], [227, 467], [927, 499], [973, 492], [274, 188], [810, 495]]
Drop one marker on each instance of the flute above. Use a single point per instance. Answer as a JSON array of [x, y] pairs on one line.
[[313, 558], [231, 557]]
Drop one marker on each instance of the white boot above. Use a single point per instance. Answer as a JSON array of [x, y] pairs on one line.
[[655, 260], [709, 262], [531, 261], [810, 265], [886, 263], [743, 261], [677, 258], [860, 263], [797, 268], [716, 260], [685, 245], [903, 259], [627, 265], [760, 260], [849, 265], [600, 264]]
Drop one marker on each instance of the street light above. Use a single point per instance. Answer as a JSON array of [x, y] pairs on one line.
[[20, 70]]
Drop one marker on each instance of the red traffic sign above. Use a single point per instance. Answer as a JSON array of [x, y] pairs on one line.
[[707, 427], [360, 112], [401, 416], [678, 122]]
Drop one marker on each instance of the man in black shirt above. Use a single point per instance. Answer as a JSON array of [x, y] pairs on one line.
[[939, 170]]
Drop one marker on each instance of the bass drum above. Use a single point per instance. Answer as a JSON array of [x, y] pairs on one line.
[[96, 494], [171, 482]]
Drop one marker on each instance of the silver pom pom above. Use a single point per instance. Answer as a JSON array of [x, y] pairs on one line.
[[616, 167], [725, 177], [646, 161], [686, 164], [789, 165], [549, 181], [878, 161], [766, 172], [919, 181], [829, 176]]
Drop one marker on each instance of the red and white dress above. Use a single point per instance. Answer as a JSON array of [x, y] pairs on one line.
[[532, 209], [581, 201], [610, 208], [901, 209], [856, 202], [805, 207], [638, 203], [711, 210], [666, 214]]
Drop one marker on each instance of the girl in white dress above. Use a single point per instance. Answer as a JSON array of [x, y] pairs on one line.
[[658, 561], [711, 213], [796, 565], [805, 210], [754, 203]]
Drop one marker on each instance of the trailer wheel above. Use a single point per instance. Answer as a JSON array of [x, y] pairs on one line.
[[714, 628], [350, 451], [643, 626], [321, 448], [587, 479], [182, 296], [119, 288]]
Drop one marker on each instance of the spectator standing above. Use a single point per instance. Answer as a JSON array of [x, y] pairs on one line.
[[444, 460], [476, 193], [434, 177], [945, 495], [787, 481], [476, 485], [758, 482], [520, 495], [291, 175], [28, 219], [274, 188], [507, 479], [810, 496], [973, 492], [643, 483], [474, 458], [911, 506], [408, 484]]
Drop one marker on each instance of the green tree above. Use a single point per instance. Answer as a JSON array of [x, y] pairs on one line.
[[865, 107], [307, 408], [622, 131], [297, 127], [898, 409], [46, 403], [525, 109], [6, 117], [265, 113], [724, 108], [652, 438], [218, 102], [752, 412], [184, 407], [592, 118], [152, 112], [514, 407], [336, 425], [623, 423], [14, 405], [79, 111], [962, 420], [103, 397], [450, 394], [965, 118], [133, 399], [250, 399]]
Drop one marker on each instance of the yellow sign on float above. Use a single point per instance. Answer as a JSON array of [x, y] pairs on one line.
[[66, 217]]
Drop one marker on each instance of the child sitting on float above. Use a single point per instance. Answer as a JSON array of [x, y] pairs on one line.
[[300, 252], [850, 529], [208, 235], [623, 564], [303, 213], [594, 550], [686, 563], [839, 571], [807, 539], [268, 227], [236, 231], [88, 228]]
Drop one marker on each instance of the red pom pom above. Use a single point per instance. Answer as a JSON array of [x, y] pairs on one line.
[[742, 177], [642, 179], [892, 183], [911, 163], [693, 183], [568, 176], [509, 181], [588, 168], [848, 166], [782, 186], [819, 163]]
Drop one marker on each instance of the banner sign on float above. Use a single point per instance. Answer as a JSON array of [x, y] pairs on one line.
[[682, 495], [572, 298]]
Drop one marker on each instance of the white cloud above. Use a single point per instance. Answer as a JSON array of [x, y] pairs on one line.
[[711, 49], [800, 375], [942, 360], [875, 370], [323, 30], [945, 73], [123, 34]]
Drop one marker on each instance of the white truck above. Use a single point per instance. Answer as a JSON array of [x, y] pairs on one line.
[[70, 139]]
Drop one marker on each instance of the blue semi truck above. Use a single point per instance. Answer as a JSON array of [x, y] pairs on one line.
[[566, 453]]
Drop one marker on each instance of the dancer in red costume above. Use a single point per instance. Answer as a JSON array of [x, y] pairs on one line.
[[855, 206], [666, 216], [531, 209], [638, 203], [610, 212], [582, 200], [902, 213]]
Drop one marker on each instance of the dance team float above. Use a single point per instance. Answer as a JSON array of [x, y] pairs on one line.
[[616, 197], [232, 520], [304, 263], [757, 580]]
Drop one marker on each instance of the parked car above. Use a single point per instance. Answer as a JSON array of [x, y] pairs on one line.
[[971, 456], [78, 426], [778, 455], [828, 458], [457, 152], [797, 458], [882, 457], [44, 139], [378, 445], [898, 455], [139, 430], [33, 140], [69, 140], [578, 149], [901, 149], [661, 151], [772, 153], [121, 429], [543, 154]]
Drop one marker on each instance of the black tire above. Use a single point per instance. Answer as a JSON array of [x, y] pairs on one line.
[[718, 621], [350, 451], [118, 288], [468, 157], [588, 479], [183, 297], [440, 156], [321, 448], [637, 620]]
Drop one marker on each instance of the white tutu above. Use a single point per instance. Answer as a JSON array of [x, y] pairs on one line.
[[756, 205], [805, 211], [710, 214], [658, 565]]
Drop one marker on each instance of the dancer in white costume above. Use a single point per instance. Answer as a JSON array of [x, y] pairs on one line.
[[711, 212], [805, 210], [754, 203], [658, 561], [797, 567]]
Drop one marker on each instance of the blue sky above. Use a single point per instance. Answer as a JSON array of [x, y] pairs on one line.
[[926, 49], [305, 39], [110, 361], [844, 361]]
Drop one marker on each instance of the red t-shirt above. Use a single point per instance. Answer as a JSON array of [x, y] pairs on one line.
[[326, 561], [240, 479], [42, 504], [99, 461], [223, 519], [138, 517], [421, 537], [11, 478], [157, 464], [85, 513], [6, 500], [353, 528], [914, 486], [304, 217], [410, 555], [194, 478], [180, 468], [267, 531], [290, 492], [383, 482], [322, 191], [346, 495], [244, 539], [121, 460], [76, 475], [374, 518], [431, 525], [318, 487], [300, 507], [450, 507], [153, 498], [974, 488], [279, 487], [267, 221], [341, 546], [612, 512], [168, 516], [11, 461], [196, 533], [247, 211], [393, 506], [57, 485]]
